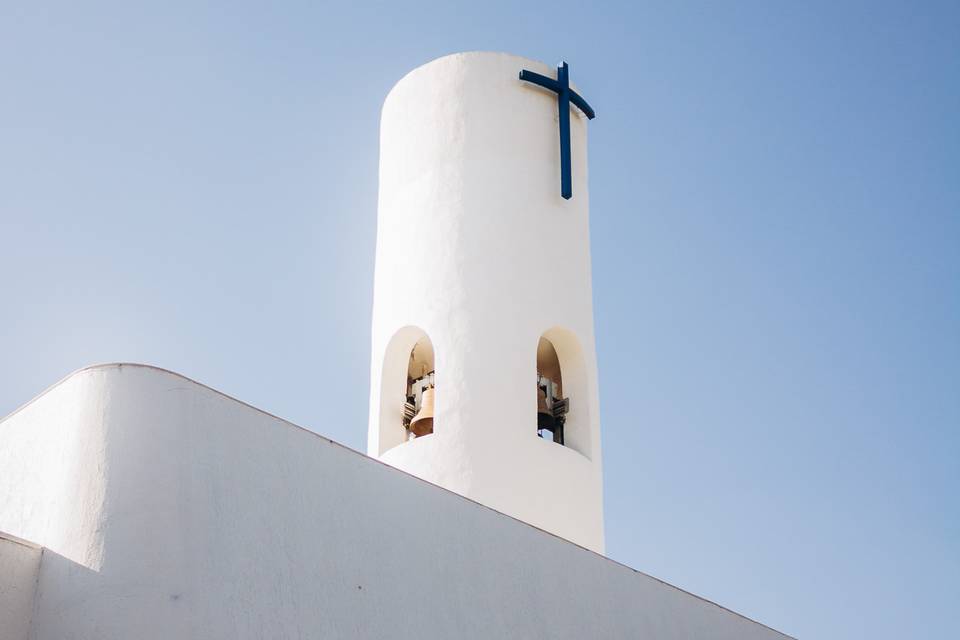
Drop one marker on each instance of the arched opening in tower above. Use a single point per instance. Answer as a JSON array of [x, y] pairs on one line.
[[418, 407], [552, 406]]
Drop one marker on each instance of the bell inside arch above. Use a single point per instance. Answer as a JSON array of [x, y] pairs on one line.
[[422, 423], [419, 406], [551, 405], [545, 419]]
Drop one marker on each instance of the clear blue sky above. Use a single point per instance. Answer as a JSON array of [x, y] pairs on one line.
[[775, 226]]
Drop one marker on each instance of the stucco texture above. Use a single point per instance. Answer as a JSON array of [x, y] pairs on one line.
[[19, 566]]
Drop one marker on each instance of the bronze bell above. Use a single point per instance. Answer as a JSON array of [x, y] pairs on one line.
[[422, 423], [544, 416]]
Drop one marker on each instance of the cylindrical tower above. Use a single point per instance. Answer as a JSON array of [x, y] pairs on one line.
[[482, 289]]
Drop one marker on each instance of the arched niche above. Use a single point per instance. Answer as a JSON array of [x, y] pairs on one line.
[[563, 391], [408, 373]]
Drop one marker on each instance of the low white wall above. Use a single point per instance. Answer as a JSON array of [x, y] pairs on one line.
[[216, 520], [53, 466], [19, 563]]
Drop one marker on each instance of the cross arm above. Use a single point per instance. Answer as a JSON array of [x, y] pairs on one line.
[[582, 105], [543, 81]]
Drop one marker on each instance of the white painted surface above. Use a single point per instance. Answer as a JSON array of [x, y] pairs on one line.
[[52, 470], [210, 519], [476, 247], [19, 564]]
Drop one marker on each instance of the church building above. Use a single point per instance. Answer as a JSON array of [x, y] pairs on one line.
[[137, 503]]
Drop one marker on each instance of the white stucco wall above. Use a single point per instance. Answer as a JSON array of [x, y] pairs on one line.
[[210, 519], [19, 565], [476, 247]]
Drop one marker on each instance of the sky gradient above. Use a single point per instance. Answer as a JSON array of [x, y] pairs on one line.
[[775, 224]]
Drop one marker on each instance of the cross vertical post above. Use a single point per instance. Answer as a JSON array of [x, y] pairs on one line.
[[563, 104]]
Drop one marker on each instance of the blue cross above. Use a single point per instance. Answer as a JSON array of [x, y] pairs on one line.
[[565, 95]]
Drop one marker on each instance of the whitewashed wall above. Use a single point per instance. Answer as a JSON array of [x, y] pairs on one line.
[[476, 247], [19, 565], [201, 517]]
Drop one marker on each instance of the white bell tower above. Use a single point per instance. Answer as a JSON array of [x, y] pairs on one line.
[[483, 372]]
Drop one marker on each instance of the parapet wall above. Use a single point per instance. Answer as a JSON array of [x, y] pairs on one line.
[[169, 510]]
